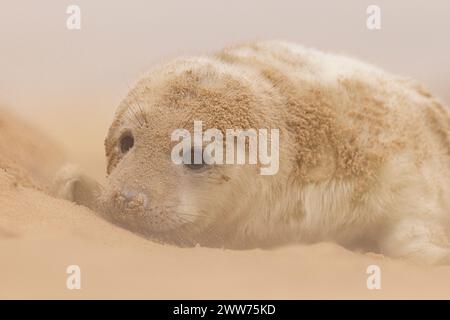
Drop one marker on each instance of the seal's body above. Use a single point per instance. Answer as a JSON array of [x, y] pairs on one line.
[[364, 155]]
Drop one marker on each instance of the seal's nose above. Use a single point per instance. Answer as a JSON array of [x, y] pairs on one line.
[[134, 200]]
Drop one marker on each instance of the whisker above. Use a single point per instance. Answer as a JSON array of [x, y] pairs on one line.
[[131, 107], [136, 116], [132, 117]]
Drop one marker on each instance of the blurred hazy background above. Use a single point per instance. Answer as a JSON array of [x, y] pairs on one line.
[[69, 82]]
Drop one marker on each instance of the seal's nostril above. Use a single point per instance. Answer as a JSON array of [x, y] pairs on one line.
[[128, 195], [134, 199]]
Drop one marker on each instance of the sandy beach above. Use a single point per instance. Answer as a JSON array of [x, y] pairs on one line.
[[40, 236]]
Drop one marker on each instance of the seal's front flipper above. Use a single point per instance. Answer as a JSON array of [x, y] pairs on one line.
[[71, 184]]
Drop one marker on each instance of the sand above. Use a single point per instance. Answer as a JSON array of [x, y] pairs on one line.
[[40, 236]]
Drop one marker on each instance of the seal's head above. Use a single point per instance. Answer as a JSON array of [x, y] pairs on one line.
[[189, 203]]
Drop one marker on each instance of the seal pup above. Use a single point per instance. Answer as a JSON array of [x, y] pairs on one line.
[[364, 156]]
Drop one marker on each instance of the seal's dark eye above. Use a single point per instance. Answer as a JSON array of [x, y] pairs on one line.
[[126, 142], [196, 166]]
